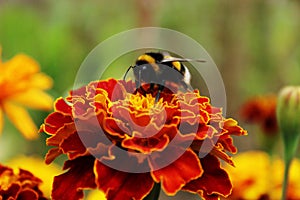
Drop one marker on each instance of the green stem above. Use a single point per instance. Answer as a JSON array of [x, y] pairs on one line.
[[154, 194], [290, 147], [287, 165]]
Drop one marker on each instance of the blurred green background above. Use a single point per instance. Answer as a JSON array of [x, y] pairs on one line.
[[255, 44]]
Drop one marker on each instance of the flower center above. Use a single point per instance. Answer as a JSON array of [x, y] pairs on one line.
[[145, 103]]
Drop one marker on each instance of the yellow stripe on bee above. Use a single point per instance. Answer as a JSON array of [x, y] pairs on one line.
[[146, 58], [177, 65], [150, 60]]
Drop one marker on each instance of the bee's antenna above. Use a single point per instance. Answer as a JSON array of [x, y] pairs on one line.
[[127, 72]]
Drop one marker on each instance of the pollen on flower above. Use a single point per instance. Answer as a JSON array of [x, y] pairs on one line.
[[147, 102]]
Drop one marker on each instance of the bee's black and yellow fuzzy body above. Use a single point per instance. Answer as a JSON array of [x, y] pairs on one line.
[[157, 68]]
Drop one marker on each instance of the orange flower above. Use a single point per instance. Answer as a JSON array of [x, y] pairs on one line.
[[122, 143], [22, 84], [37, 166], [262, 110], [265, 182], [23, 185]]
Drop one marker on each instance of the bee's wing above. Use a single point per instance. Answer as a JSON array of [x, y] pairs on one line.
[[173, 59]]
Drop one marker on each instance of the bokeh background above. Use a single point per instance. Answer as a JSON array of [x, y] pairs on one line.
[[255, 44]]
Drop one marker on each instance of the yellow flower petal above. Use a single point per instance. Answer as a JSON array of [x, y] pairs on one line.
[[38, 167], [21, 66], [34, 98], [258, 178], [21, 119], [96, 194], [41, 81], [257, 175]]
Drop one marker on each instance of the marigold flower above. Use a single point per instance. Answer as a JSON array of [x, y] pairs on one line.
[[257, 176], [122, 142], [23, 185], [22, 84], [261, 110], [38, 168]]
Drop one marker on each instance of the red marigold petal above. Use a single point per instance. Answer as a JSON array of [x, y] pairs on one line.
[[227, 143], [52, 154], [146, 145], [108, 85], [210, 197], [26, 175], [115, 127], [230, 126], [218, 151], [79, 176], [5, 169], [63, 133], [78, 92], [178, 173], [11, 192], [60, 105], [73, 147], [23, 185], [127, 160], [133, 118], [82, 107], [100, 151], [193, 113], [119, 185], [55, 121], [128, 85], [214, 181], [116, 90], [28, 194], [205, 131]]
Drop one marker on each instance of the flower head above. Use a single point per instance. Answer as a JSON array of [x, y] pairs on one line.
[[262, 111], [122, 142], [22, 84], [38, 168], [23, 185], [257, 176]]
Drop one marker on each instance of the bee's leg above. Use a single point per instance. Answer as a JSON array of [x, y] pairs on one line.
[[160, 89], [138, 84], [124, 77], [151, 86]]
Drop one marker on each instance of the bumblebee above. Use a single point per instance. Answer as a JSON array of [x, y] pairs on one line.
[[158, 68]]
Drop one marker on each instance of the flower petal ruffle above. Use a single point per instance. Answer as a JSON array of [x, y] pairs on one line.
[[213, 182], [23, 185], [119, 185], [79, 176], [174, 176]]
